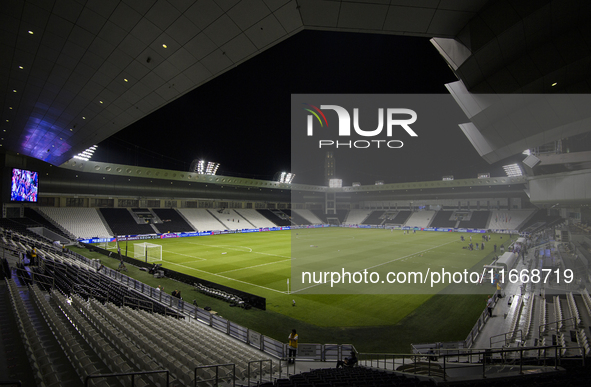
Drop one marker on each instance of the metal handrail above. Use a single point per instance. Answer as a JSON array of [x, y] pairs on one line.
[[540, 334], [150, 303], [89, 290], [441, 361], [51, 279], [260, 363], [506, 339], [132, 374], [217, 372]]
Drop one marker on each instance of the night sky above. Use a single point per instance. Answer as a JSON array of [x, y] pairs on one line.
[[241, 119]]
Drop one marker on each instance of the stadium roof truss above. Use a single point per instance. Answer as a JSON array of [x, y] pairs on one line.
[[74, 73]]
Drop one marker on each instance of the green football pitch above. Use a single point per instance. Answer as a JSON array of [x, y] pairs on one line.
[[260, 263]]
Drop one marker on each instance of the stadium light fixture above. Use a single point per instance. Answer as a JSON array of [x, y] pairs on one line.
[[513, 170], [335, 183], [356, 184], [87, 154], [379, 182], [448, 178], [483, 175], [284, 177], [206, 167]]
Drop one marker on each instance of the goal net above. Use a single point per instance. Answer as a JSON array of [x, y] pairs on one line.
[[147, 251], [108, 245]]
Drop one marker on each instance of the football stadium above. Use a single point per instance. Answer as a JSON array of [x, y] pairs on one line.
[[162, 226]]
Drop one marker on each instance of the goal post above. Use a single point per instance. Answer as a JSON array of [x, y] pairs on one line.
[[109, 245], [149, 252]]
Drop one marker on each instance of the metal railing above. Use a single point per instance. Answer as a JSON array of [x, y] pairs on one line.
[[216, 380], [138, 303], [437, 364], [287, 364], [132, 374], [507, 337], [260, 373], [254, 339], [90, 291], [559, 325]]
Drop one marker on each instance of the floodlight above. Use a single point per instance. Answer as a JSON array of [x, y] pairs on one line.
[[483, 175], [356, 184], [448, 178], [335, 183], [513, 170], [203, 167], [284, 177], [87, 154], [379, 182]]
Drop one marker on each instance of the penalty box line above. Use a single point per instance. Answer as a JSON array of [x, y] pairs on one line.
[[184, 255], [252, 267], [232, 248]]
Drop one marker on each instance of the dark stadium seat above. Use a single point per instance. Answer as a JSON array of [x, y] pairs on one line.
[[276, 217], [375, 218], [442, 219], [478, 219], [122, 223], [172, 221], [295, 217]]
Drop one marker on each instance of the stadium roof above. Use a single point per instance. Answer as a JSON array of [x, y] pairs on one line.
[[75, 72]]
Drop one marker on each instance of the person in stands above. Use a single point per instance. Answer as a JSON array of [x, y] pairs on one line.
[[349, 361], [292, 346]]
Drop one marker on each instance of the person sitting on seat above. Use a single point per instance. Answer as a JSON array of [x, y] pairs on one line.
[[349, 361], [432, 353]]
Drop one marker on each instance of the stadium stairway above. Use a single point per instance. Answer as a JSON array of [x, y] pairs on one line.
[[14, 363], [244, 219], [213, 213], [57, 361]]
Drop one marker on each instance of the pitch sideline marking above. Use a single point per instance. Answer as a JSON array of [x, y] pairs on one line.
[[228, 278]]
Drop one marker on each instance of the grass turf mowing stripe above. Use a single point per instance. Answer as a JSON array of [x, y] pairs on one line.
[[252, 271]]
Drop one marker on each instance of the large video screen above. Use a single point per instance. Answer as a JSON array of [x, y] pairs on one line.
[[25, 186]]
